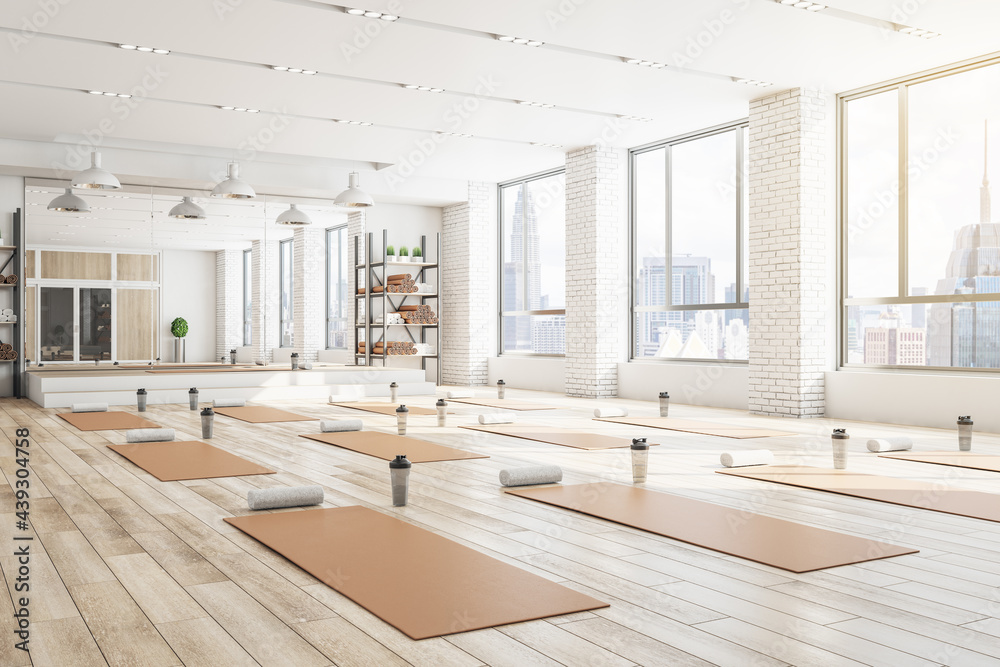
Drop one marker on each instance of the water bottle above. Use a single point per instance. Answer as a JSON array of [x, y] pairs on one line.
[[193, 397], [640, 458], [207, 417], [399, 473], [140, 400], [664, 403], [401, 413]]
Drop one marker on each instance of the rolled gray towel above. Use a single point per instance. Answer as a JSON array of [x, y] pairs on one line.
[[307, 366], [229, 403], [498, 418], [461, 393], [611, 412], [149, 435], [530, 475], [753, 457], [897, 444], [90, 407], [337, 425], [284, 496]]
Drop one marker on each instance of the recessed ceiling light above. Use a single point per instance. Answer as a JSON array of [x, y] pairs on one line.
[[641, 119], [644, 63], [292, 70], [455, 134], [803, 4], [245, 109], [918, 32], [356, 12], [106, 94], [545, 145], [541, 105], [144, 49], [752, 82], [344, 121], [129, 47], [510, 39], [371, 14], [426, 89]]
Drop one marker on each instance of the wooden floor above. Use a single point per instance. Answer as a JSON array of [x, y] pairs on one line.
[[128, 570]]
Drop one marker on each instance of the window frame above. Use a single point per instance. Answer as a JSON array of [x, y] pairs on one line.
[[739, 128], [522, 182], [330, 233], [247, 297], [281, 290], [901, 85]]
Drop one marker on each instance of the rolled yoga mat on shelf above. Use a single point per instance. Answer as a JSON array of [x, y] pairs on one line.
[[897, 444], [229, 403], [610, 412], [498, 418], [529, 475], [90, 407], [149, 435], [753, 457], [340, 425], [461, 393], [284, 496]]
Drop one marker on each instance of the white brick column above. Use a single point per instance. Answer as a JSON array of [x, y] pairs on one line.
[[788, 252], [228, 301], [595, 328], [465, 283], [309, 292], [265, 295], [355, 229]]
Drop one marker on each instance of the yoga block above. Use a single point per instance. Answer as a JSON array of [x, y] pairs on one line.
[[285, 496], [529, 475], [498, 418], [338, 425], [90, 407], [753, 457], [897, 444], [229, 403], [149, 435]]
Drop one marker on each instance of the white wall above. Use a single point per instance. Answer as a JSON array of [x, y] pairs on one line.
[[539, 373], [188, 285], [716, 385], [11, 199]]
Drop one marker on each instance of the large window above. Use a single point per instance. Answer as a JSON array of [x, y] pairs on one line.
[[921, 247], [287, 324], [533, 266], [689, 240], [247, 297], [336, 288]]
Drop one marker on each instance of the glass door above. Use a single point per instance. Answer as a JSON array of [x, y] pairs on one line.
[[56, 324], [95, 323]]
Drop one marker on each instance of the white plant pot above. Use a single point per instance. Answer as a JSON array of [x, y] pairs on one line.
[[403, 258], [390, 258]]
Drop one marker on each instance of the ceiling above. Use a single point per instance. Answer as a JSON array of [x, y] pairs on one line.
[[221, 51]]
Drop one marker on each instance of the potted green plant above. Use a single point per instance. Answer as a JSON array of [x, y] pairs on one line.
[[390, 254], [403, 252], [417, 254], [179, 329]]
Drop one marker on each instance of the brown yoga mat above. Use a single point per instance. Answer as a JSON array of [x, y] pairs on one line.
[[755, 537], [106, 421], [189, 459], [506, 403], [552, 435], [702, 428], [909, 493], [388, 445], [257, 414], [421, 583], [971, 460], [385, 408]]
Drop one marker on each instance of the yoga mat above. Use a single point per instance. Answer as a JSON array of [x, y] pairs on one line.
[[762, 539], [385, 408], [256, 414], [422, 584], [703, 428], [506, 403], [106, 421], [909, 493], [553, 435], [387, 445], [957, 459], [172, 461]]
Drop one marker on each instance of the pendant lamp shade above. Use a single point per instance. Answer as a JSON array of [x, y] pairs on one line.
[[69, 203], [293, 216], [353, 196], [232, 187], [96, 178], [187, 210]]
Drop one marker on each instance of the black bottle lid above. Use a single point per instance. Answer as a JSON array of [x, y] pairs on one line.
[[402, 408], [193, 390], [501, 383], [393, 386], [840, 434], [664, 394], [207, 412], [441, 403], [965, 420], [400, 462], [639, 443], [141, 392]]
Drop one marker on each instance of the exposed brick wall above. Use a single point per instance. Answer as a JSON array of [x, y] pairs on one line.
[[229, 301], [595, 272], [788, 252], [265, 294], [309, 292], [467, 320]]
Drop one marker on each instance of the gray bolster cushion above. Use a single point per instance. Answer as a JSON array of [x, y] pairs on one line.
[[149, 435], [337, 425], [531, 475]]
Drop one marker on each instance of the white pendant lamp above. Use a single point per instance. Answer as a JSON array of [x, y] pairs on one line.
[[69, 203], [96, 178], [233, 187], [353, 196], [187, 210], [293, 216]]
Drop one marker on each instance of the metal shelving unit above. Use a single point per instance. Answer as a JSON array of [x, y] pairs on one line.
[[13, 335], [374, 274]]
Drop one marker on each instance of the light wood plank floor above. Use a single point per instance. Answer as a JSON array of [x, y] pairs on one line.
[[128, 570]]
